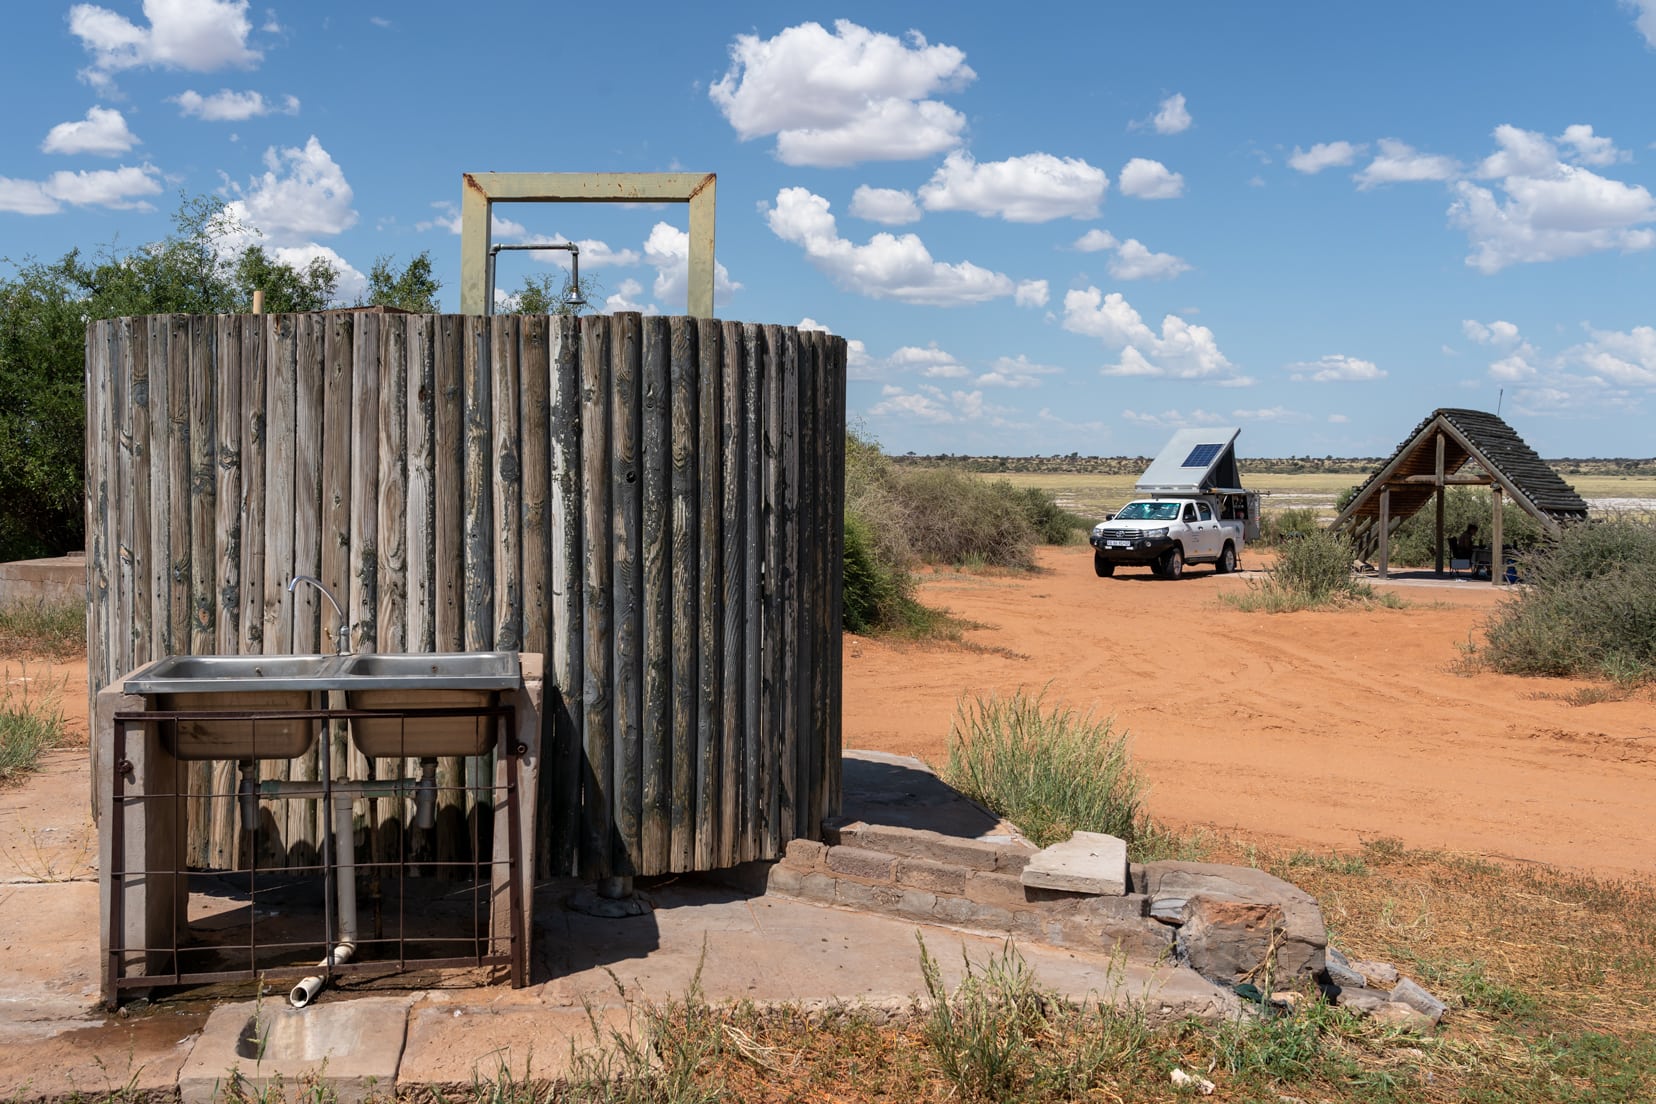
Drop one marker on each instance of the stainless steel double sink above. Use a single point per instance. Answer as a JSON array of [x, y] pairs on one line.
[[390, 682]]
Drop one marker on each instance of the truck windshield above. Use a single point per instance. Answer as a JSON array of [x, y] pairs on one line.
[[1149, 511]]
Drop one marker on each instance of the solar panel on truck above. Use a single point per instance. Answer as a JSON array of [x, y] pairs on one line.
[[1201, 456]]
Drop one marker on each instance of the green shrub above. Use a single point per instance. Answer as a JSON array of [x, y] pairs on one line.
[[1052, 523], [1589, 608], [1049, 770], [872, 588], [30, 725], [1413, 543], [1311, 571], [1281, 526], [952, 516]]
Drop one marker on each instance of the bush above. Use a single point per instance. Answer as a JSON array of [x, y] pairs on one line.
[[1589, 608], [1052, 523], [872, 588], [1281, 526], [1310, 572], [1051, 771], [953, 517], [1413, 542], [28, 728]]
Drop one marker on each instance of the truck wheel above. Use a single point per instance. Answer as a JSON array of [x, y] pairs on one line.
[[1227, 560], [1173, 563], [1101, 567]]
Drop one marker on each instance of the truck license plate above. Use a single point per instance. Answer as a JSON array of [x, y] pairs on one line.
[[1118, 544]]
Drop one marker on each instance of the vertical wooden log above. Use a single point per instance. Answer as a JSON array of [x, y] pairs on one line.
[[713, 740], [734, 433], [99, 370], [598, 857], [1438, 495], [213, 849], [280, 609], [836, 559], [771, 713], [506, 467], [161, 503], [254, 392], [449, 566], [477, 488], [689, 747], [362, 607], [419, 521], [391, 572], [1497, 555], [307, 820], [136, 356], [560, 775], [626, 570], [790, 679], [1385, 530], [656, 632], [120, 629], [814, 589], [534, 407], [178, 486], [338, 463]]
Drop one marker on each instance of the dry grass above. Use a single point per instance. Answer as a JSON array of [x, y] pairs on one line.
[[42, 630]]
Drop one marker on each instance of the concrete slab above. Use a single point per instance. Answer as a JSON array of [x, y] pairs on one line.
[[131, 1059], [1087, 862], [353, 1046], [901, 791], [60, 579], [453, 1044], [49, 944]]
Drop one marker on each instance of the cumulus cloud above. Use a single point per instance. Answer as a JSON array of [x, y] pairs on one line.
[[667, 250], [1181, 350], [301, 195], [1324, 155], [858, 364], [1498, 333], [1627, 359], [1269, 414], [1172, 419], [888, 267], [103, 132], [839, 98], [1173, 117], [1146, 179], [1400, 163], [1335, 368], [1031, 293], [1644, 18], [195, 35], [1017, 372], [225, 106], [887, 206], [501, 229], [119, 189], [626, 297], [930, 361], [1135, 261], [1036, 187], [1610, 371], [1095, 241], [933, 405], [1552, 208], [352, 283]]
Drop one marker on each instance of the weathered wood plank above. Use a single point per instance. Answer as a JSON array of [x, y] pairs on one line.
[[790, 679], [280, 609], [560, 774], [178, 485], [626, 574], [362, 607], [255, 390], [392, 524], [419, 521], [223, 828], [534, 405], [598, 800], [448, 559], [138, 490], [338, 356], [477, 488], [100, 369], [836, 602], [658, 754], [711, 742], [768, 581], [688, 751], [307, 820], [117, 454], [734, 478], [506, 469], [160, 637]]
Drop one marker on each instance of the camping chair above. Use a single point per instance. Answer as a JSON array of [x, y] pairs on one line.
[[1460, 557]]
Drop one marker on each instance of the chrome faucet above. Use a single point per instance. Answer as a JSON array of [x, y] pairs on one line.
[[342, 638]]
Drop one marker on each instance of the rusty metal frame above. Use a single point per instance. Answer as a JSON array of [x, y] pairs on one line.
[[479, 193]]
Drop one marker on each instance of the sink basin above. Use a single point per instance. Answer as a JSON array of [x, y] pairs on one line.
[[451, 680], [240, 683], [249, 683]]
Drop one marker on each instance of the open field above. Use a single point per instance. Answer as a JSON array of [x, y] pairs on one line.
[[1093, 496], [1317, 729]]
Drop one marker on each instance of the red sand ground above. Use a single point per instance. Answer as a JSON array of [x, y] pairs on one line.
[[1317, 730]]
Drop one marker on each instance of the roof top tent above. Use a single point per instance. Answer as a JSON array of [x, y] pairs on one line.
[[1203, 462]]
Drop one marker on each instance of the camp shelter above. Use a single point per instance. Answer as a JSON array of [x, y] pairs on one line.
[[1454, 447]]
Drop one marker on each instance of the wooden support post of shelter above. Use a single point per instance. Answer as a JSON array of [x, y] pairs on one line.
[[1454, 447]]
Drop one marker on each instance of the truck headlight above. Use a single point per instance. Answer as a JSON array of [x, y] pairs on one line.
[[1156, 534]]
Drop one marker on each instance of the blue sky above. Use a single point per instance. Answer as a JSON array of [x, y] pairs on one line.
[[1045, 228]]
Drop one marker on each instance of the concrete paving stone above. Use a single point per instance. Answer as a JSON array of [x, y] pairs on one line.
[[938, 877], [351, 1046], [805, 854], [991, 888], [859, 895], [1087, 862], [49, 944], [454, 1046], [136, 1058]]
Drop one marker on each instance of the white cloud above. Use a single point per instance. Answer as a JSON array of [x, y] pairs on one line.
[[1135, 261], [1031, 293], [301, 195], [1644, 18], [114, 188], [1017, 372], [1173, 118], [1499, 334], [103, 132], [1338, 419], [1036, 187], [626, 298], [500, 228], [1508, 369], [225, 106], [1324, 155], [858, 364], [888, 267], [931, 362], [1095, 241], [1172, 419], [1399, 163], [1181, 350], [843, 97], [352, 283], [1146, 179], [196, 35], [936, 406], [668, 250], [1269, 414], [1335, 368], [1628, 359], [1552, 209], [1590, 148], [887, 206]]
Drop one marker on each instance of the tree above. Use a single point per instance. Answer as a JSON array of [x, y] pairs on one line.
[[413, 289], [535, 296], [205, 266]]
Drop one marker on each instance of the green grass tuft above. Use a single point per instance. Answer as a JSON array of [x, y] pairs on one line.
[[31, 723]]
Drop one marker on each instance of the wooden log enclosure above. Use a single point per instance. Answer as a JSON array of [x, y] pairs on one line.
[[652, 503]]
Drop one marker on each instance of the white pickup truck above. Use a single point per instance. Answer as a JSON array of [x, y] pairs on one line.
[[1165, 534]]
